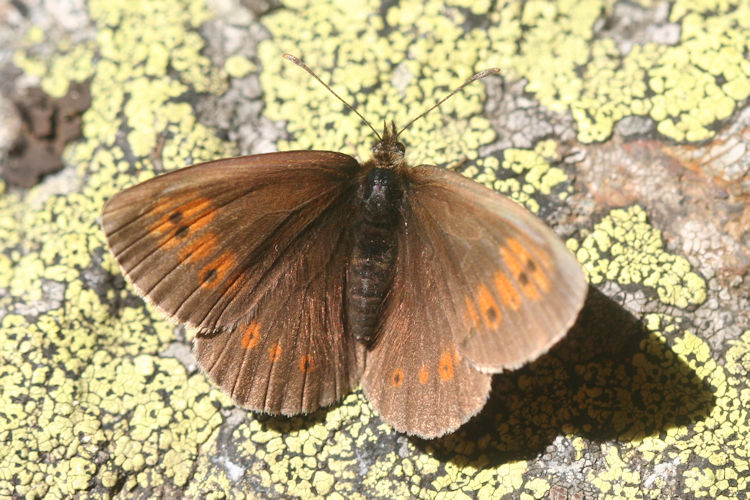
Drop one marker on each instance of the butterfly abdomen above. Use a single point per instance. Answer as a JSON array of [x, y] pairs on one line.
[[373, 257]]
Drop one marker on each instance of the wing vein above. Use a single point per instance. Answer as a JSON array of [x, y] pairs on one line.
[[270, 268]]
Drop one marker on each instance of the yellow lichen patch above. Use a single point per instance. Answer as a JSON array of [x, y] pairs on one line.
[[70, 63], [81, 375], [615, 480], [171, 415], [530, 174], [537, 171], [327, 446], [535, 488], [685, 87], [738, 360], [625, 248], [478, 479], [709, 453], [74, 419], [139, 49], [386, 78], [239, 66], [317, 451], [217, 479]]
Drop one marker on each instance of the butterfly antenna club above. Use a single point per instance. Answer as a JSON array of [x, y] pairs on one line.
[[477, 76]]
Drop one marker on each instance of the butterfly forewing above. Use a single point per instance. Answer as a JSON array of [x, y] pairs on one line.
[[204, 243], [514, 286], [480, 283], [226, 247]]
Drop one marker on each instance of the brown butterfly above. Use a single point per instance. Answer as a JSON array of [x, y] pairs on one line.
[[307, 273]]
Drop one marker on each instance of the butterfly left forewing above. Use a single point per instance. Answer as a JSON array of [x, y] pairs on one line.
[[481, 286], [514, 285]]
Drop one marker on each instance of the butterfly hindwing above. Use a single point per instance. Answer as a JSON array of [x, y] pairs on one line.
[[292, 356], [226, 247], [415, 378]]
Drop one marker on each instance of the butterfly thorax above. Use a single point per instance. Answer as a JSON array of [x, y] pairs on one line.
[[373, 259]]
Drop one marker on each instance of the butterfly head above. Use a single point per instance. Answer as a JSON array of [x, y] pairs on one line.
[[388, 152]]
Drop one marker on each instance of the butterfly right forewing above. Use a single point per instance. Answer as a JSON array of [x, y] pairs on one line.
[[252, 252]]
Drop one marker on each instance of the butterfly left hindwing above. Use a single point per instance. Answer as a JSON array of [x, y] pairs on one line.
[[415, 378]]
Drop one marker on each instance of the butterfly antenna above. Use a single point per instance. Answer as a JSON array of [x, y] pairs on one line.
[[479, 75], [304, 66]]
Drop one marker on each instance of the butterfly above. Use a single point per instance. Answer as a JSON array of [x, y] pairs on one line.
[[307, 273]]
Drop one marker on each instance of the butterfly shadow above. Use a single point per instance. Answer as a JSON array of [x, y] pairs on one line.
[[283, 424], [609, 379]]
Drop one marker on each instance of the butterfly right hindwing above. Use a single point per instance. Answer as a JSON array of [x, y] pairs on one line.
[[415, 377]]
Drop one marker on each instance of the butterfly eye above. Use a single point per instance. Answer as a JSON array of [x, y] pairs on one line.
[[401, 148]]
